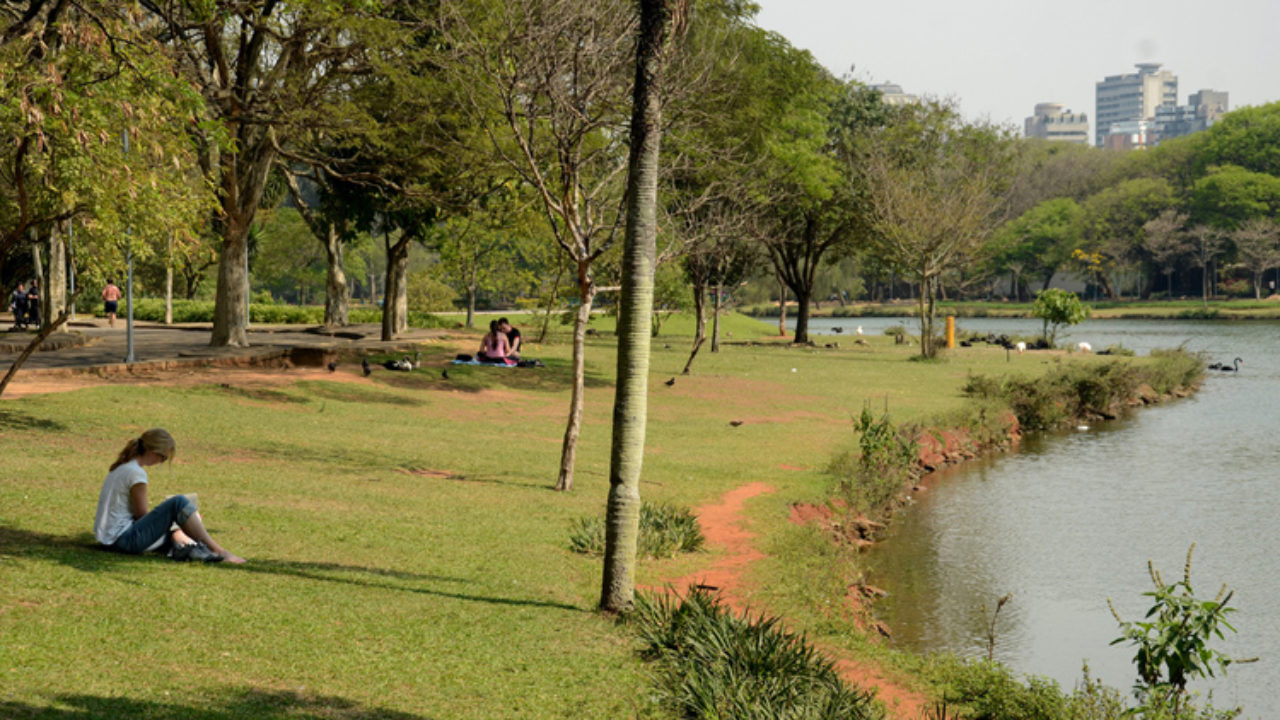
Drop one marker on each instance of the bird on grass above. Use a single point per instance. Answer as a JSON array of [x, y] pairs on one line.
[[837, 330], [364, 365], [670, 382], [1084, 347], [736, 423], [1021, 347], [333, 365], [445, 373], [858, 330]]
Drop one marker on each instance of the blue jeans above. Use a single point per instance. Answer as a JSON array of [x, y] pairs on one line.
[[146, 530]]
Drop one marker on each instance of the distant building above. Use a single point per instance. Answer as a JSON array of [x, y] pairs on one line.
[[1200, 113], [1052, 122], [892, 94], [1131, 135], [1132, 97]]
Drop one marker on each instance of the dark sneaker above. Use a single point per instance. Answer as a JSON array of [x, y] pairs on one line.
[[195, 551]]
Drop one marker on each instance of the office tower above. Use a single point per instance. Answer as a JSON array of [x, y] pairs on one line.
[[1133, 96], [1052, 122]]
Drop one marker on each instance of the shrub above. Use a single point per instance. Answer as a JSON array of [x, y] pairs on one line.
[[201, 311], [1058, 307], [1078, 390], [712, 664], [665, 531], [886, 461]]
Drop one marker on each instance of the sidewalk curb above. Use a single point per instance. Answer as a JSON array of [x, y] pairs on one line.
[[267, 357]]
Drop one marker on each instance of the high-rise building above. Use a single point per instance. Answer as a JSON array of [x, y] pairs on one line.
[[1200, 113], [891, 94], [1133, 96], [1052, 122]]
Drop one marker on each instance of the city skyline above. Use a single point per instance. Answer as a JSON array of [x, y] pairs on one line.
[[1000, 58]]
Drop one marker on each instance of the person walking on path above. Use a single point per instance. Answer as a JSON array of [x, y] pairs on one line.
[[111, 301], [33, 304], [18, 306], [122, 522]]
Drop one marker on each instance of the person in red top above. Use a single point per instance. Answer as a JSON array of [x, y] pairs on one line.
[[111, 301]]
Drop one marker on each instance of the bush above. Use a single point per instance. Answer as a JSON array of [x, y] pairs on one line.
[[665, 531], [712, 664], [1080, 390], [989, 691], [886, 461], [201, 311]]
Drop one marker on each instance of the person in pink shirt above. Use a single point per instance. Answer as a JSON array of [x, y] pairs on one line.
[[494, 347]]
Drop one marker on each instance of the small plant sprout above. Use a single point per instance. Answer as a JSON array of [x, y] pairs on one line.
[[1173, 639]]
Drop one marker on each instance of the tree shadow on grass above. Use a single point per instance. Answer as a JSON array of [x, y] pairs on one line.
[[84, 553], [351, 575], [13, 420], [233, 705], [556, 376]]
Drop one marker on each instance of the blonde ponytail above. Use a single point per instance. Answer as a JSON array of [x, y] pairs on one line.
[[157, 439]]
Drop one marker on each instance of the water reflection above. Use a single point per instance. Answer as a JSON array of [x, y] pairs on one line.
[[1071, 519]]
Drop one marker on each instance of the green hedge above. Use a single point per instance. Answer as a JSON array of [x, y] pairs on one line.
[[193, 311]]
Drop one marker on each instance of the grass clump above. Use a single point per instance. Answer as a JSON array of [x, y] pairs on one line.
[[885, 461], [665, 531], [713, 664]]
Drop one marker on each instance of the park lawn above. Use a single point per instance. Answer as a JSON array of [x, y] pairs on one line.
[[407, 556]]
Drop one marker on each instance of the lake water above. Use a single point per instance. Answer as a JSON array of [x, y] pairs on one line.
[[1071, 519]]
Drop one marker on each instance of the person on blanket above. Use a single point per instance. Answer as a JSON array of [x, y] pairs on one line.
[[494, 348]]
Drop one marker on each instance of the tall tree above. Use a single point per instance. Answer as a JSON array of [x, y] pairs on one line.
[[547, 83], [1166, 242], [1257, 244], [81, 82], [659, 20], [936, 183], [269, 71]]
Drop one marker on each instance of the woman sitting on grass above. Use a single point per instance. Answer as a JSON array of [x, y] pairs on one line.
[[494, 347], [123, 523]]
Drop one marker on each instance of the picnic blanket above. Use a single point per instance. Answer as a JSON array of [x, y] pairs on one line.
[[473, 361]]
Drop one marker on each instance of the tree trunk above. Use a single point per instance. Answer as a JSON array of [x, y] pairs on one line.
[[569, 450], [229, 316], [471, 306], [551, 303], [55, 293], [715, 320], [168, 284], [336, 301], [926, 321], [782, 308], [802, 316], [395, 302], [630, 407], [700, 311]]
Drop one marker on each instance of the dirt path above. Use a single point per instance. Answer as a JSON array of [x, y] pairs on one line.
[[723, 527]]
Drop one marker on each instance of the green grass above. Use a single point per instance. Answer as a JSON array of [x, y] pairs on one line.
[[408, 558]]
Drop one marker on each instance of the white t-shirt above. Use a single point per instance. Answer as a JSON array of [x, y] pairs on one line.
[[113, 516]]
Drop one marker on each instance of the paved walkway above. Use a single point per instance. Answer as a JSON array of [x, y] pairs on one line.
[[158, 346]]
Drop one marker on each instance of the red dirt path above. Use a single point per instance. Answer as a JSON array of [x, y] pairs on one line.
[[722, 525]]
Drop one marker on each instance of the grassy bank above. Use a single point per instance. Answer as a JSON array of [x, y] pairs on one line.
[[1105, 309], [408, 559]]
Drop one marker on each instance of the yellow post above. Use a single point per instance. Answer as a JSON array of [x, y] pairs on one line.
[[951, 332]]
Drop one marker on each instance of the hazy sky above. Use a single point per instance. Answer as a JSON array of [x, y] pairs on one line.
[[1001, 57]]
